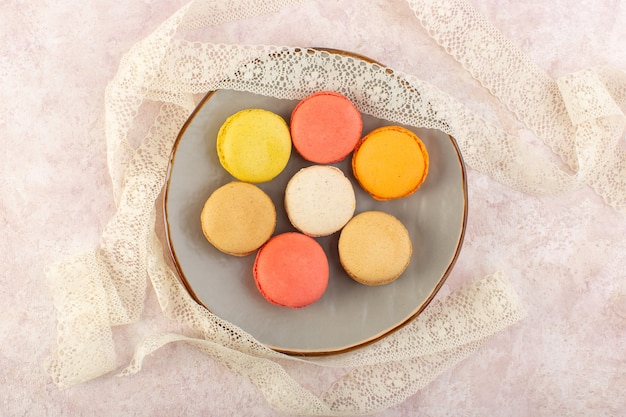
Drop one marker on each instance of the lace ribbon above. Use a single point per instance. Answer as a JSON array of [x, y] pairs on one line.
[[578, 116]]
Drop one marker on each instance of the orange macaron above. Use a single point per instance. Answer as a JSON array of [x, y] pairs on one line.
[[390, 162], [291, 270], [325, 127]]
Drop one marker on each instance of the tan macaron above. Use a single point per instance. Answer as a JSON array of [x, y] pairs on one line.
[[374, 248], [238, 218]]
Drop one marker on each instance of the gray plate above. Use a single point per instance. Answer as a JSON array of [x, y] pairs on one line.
[[349, 314]]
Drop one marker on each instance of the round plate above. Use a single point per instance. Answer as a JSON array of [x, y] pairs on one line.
[[349, 315]]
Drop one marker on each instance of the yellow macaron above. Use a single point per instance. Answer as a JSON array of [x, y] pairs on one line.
[[254, 145]]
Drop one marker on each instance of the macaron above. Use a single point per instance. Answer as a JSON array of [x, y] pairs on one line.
[[390, 162], [325, 127], [374, 248], [319, 200], [291, 270], [254, 145], [238, 218]]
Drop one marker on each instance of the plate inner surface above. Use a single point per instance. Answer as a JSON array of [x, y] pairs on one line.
[[349, 314]]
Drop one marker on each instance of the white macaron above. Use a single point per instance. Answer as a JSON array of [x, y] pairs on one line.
[[319, 200]]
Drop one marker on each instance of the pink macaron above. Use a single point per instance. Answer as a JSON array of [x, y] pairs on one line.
[[325, 127], [291, 270]]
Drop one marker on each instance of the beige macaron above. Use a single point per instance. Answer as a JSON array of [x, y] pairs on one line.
[[374, 248], [319, 200], [238, 218]]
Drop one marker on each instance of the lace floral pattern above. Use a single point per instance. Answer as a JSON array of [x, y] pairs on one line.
[[579, 117]]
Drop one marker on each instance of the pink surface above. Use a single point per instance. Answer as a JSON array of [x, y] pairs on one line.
[[565, 255]]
